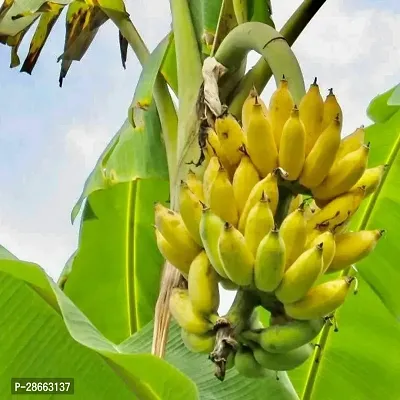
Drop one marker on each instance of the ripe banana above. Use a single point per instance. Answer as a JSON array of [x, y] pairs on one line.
[[295, 203], [268, 185], [371, 179], [331, 110], [294, 233], [321, 300], [231, 137], [191, 210], [171, 226], [195, 185], [311, 113], [280, 106], [301, 275], [209, 176], [184, 314], [283, 361], [244, 179], [310, 208], [214, 148], [259, 222], [210, 230], [246, 364], [221, 198], [198, 343], [248, 105], [352, 247], [336, 212], [350, 143], [321, 157], [203, 285], [292, 149], [284, 338], [237, 260], [329, 247], [261, 145], [179, 259], [343, 175], [270, 261]]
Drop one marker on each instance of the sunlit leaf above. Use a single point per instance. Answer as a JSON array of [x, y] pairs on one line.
[[117, 252], [44, 334], [379, 109]]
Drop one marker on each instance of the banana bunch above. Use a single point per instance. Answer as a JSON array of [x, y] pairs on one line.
[[269, 218]]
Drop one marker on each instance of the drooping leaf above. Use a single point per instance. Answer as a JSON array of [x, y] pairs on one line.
[[382, 106], [42, 32], [200, 370], [44, 334], [169, 68], [115, 273]]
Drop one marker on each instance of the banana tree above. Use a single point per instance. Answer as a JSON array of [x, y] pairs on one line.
[[106, 322]]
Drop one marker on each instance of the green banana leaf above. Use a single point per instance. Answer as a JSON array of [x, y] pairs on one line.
[[44, 334], [200, 370], [115, 273], [384, 105]]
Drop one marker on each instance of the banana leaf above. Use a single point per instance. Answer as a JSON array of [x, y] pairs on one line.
[[44, 334]]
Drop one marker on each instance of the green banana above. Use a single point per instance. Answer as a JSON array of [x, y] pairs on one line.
[[246, 364], [198, 343], [269, 266], [284, 338]]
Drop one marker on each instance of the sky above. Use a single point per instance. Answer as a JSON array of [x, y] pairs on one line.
[[50, 138]]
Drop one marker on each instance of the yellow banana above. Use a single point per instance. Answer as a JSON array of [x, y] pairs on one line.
[[295, 203], [280, 106], [293, 232], [231, 137], [221, 198], [209, 176], [310, 208], [259, 222], [283, 361], [320, 159], [269, 266], [292, 150], [246, 364], [203, 285], [311, 109], [329, 247], [331, 110], [198, 343], [261, 145], [237, 260], [178, 258], [284, 338], [214, 148], [244, 179], [195, 185], [171, 226], [371, 179], [210, 230], [191, 210], [321, 300], [343, 175], [268, 185], [301, 275], [248, 105], [184, 314], [336, 212], [350, 143], [352, 247]]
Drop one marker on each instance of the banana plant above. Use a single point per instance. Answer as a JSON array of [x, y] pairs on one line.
[[106, 322]]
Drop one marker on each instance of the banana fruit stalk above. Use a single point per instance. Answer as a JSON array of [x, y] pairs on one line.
[[270, 217]]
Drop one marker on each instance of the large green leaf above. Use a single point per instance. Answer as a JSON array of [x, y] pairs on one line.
[[384, 105], [44, 334], [200, 370], [115, 273]]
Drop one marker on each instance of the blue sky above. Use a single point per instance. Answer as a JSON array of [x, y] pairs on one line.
[[50, 138]]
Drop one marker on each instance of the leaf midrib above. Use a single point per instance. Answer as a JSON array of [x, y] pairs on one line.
[[130, 250], [316, 361]]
